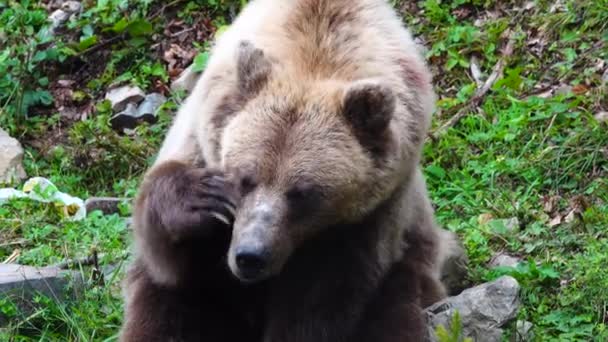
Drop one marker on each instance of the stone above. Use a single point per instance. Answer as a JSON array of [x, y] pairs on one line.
[[121, 97], [107, 205], [454, 270], [147, 109], [11, 158], [601, 116], [504, 260], [21, 284], [132, 115], [186, 80], [483, 310], [59, 17], [523, 331], [71, 6]]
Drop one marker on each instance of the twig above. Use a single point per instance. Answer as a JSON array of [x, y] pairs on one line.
[[86, 261], [481, 91], [14, 242], [11, 258]]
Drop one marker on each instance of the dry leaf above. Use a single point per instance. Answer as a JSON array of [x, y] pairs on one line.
[[485, 218], [580, 89], [557, 220]]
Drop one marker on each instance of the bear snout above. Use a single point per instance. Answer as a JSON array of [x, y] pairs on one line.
[[251, 261]]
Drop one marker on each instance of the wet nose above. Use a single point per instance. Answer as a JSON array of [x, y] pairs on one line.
[[251, 262]]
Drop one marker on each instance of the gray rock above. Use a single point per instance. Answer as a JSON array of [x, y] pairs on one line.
[[71, 6], [524, 331], [483, 310], [11, 157], [121, 97], [132, 116], [454, 270], [59, 17], [504, 260], [20, 284], [147, 109], [186, 80], [108, 205]]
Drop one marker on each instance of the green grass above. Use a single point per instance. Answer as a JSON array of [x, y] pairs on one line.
[[503, 160]]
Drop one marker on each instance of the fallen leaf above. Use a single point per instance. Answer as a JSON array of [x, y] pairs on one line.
[[580, 89], [550, 203], [557, 220], [485, 218]]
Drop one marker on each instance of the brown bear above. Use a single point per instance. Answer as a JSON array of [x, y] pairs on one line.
[[286, 203]]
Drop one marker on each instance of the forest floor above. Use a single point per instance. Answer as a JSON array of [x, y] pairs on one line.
[[517, 167]]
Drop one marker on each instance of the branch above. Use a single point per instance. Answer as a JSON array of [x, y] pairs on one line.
[[480, 93]]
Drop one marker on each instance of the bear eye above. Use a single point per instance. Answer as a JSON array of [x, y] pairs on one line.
[[303, 192], [248, 183]]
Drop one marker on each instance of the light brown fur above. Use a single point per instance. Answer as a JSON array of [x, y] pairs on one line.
[[317, 110]]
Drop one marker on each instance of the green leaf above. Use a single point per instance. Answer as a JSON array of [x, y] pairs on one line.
[[139, 27], [436, 171], [87, 43], [200, 61], [120, 26]]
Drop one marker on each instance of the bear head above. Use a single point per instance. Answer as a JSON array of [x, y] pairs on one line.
[[307, 154]]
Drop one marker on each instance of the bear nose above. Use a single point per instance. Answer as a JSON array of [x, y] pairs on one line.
[[251, 262]]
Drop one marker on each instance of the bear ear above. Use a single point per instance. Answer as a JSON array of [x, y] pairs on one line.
[[253, 68], [369, 106]]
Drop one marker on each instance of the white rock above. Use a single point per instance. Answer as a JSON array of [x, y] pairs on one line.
[[71, 6], [58, 18], [121, 96], [504, 260], [61, 16], [11, 157], [186, 80], [601, 116]]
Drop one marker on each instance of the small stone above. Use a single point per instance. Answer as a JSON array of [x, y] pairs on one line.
[[147, 109], [71, 6], [524, 331], [186, 80], [11, 158], [504, 260], [21, 284], [107, 205], [483, 310], [601, 116], [123, 96], [59, 17], [132, 116]]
